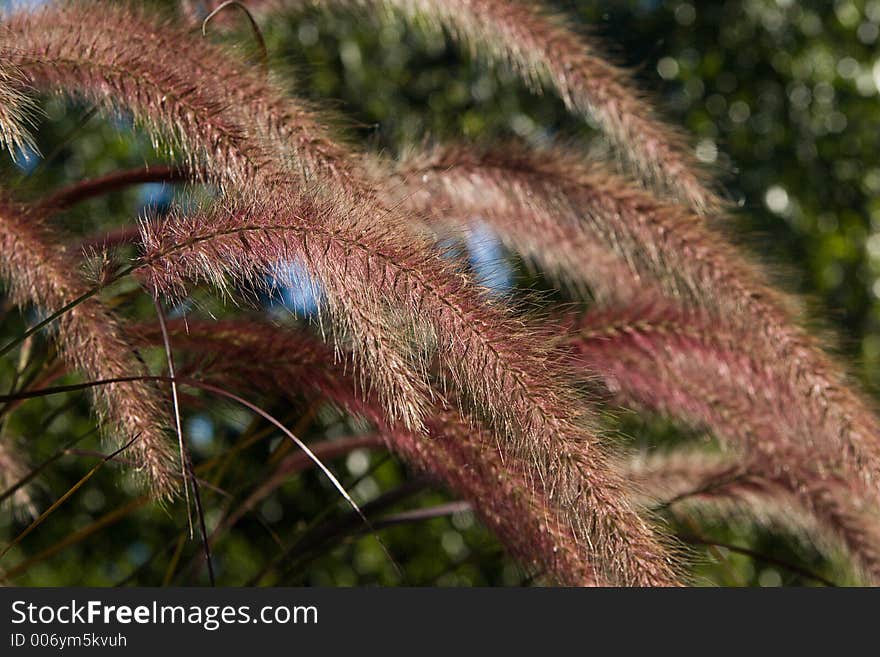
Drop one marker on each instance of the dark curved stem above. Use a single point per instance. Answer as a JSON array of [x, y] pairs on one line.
[[86, 189], [258, 34]]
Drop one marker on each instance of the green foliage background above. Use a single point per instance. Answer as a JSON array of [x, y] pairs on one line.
[[782, 96]]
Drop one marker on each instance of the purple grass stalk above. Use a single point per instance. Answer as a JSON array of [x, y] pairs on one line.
[[685, 365], [719, 485], [541, 526], [39, 271], [81, 191], [546, 52]]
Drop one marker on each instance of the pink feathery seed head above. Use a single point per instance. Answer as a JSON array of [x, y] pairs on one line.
[[17, 111], [494, 477], [280, 139], [235, 243], [40, 271], [607, 208], [450, 186], [545, 51], [686, 365], [671, 246], [122, 60], [727, 388]]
